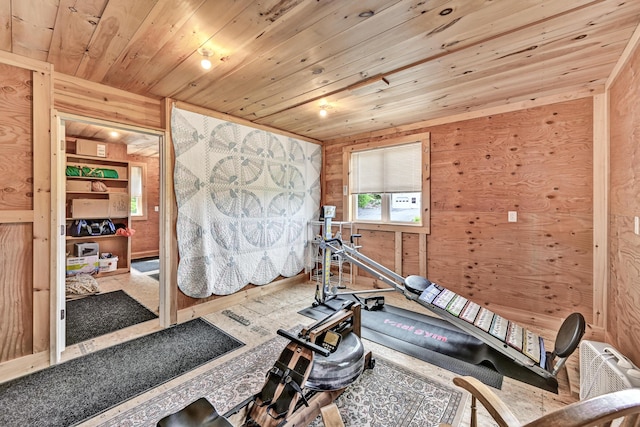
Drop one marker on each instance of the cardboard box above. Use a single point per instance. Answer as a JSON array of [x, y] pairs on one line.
[[90, 208], [91, 148], [82, 265], [119, 205], [85, 249], [78, 185]]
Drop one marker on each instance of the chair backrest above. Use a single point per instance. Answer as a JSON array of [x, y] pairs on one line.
[[621, 405]]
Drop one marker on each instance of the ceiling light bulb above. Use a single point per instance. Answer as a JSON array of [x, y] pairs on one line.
[[206, 64], [323, 112], [114, 134]]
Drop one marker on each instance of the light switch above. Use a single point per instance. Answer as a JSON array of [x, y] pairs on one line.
[[156, 208], [636, 225], [513, 216]]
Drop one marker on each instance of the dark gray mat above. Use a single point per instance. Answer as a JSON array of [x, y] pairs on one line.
[[155, 276], [73, 391], [100, 314], [424, 352], [146, 265]]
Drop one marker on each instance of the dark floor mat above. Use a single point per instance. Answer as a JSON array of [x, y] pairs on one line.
[[73, 391], [100, 314], [146, 265]]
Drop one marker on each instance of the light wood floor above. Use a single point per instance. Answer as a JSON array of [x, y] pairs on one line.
[[279, 310]]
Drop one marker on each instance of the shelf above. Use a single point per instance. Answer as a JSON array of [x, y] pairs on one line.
[[96, 159], [100, 236], [82, 203], [94, 178], [105, 193]]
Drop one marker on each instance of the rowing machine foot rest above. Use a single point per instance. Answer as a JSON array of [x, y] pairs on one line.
[[373, 303], [200, 413]]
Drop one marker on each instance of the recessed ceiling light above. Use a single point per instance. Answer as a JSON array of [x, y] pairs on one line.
[[318, 70], [114, 134], [366, 14]]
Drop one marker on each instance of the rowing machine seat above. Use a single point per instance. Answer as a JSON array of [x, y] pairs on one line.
[[416, 284]]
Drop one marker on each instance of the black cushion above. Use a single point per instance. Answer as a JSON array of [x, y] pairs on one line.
[[200, 413], [569, 335], [416, 284]]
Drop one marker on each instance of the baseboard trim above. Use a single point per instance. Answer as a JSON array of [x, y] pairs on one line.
[[145, 254]]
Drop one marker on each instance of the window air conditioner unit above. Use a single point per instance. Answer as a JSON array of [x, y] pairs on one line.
[[604, 370]]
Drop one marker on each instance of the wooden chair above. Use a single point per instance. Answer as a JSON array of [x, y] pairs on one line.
[[598, 411]]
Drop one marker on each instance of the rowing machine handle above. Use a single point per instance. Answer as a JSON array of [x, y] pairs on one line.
[[335, 239], [313, 347]]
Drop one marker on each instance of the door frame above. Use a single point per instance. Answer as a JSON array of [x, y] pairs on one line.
[[59, 223]]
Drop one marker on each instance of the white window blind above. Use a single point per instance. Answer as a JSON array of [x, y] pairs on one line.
[[136, 181], [396, 169]]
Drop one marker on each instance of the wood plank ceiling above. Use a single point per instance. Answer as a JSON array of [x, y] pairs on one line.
[[376, 64]]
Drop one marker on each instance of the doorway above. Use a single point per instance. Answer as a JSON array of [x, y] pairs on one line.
[[135, 154]]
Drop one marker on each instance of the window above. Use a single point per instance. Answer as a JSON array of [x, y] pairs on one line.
[[386, 183], [138, 187]]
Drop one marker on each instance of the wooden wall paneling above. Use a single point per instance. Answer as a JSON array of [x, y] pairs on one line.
[[540, 264], [83, 98], [410, 258], [16, 304], [537, 161], [422, 252], [16, 168], [624, 205], [397, 265], [5, 25], [24, 208], [43, 97], [146, 241], [625, 300], [380, 246], [600, 208]]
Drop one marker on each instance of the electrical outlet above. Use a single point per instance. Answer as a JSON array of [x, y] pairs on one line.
[[513, 216]]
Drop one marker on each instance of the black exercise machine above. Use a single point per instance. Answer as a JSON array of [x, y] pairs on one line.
[[520, 351]]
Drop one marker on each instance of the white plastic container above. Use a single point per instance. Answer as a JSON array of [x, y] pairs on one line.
[[108, 264]]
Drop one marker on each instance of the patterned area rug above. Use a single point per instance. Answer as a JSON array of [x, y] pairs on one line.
[[389, 395]]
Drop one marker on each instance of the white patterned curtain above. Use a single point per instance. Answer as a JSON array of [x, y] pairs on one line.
[[244, 198]]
